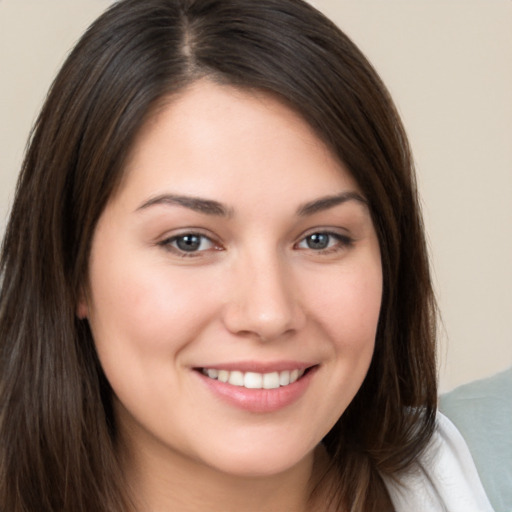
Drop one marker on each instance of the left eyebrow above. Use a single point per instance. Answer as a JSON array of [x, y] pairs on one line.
[[324, 203]]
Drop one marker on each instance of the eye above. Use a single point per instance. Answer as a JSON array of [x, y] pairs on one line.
[[323, 241], [189, 244]]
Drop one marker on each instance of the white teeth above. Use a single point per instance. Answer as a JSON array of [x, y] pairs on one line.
[[253, 380], [236, 378], [284, 378], [223, 375], [213, 374], [271, 380]]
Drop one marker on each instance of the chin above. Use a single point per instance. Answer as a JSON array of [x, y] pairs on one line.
[[257, 461]]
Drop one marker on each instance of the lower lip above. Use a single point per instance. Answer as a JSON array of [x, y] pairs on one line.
[[259, 400]]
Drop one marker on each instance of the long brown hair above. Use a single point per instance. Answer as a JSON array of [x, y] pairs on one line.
[[57, 431]]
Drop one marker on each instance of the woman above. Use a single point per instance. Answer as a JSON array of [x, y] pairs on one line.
[[216, 291]]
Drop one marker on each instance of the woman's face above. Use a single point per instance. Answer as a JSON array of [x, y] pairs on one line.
[[234, 288]]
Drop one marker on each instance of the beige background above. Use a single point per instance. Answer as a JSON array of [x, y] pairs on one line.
[[448, 65]]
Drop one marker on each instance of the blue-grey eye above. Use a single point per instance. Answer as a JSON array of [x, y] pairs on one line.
[[318, 241], [188, 243], [324, 240]]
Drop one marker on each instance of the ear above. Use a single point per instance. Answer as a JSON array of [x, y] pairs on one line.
[[82, 308]]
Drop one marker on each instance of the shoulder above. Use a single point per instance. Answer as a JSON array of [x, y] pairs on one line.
[[443, 479], [482, 412]]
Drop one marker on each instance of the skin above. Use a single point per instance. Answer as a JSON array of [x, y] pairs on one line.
[[255, 289]]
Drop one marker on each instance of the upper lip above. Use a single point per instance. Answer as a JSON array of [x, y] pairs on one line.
[[259, 367]]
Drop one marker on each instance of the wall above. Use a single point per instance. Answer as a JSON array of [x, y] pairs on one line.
[[448, 65]]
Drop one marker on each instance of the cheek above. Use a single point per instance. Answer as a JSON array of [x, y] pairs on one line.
[[143, 318], [348, 306], [143, 310]]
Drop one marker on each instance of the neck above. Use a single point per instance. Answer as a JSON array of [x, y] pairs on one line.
[[162, 484]]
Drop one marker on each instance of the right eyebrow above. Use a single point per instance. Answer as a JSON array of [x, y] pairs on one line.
[[198, 204]]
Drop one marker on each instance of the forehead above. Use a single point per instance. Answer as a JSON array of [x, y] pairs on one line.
[[216, 140]]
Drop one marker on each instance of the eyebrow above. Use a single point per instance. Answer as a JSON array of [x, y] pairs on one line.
[[324, 203], [207, 206], [211, 207]]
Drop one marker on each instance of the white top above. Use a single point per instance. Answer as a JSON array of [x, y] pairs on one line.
[[444, 479]]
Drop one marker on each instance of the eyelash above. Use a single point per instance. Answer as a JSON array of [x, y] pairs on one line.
[[167, 244], [342, 242]]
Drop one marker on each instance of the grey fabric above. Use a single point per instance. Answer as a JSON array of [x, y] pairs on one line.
[[482, 412], [443, 479]]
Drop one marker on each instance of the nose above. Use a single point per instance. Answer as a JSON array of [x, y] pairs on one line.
[[263, 300]]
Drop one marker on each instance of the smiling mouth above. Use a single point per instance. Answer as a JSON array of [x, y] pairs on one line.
[[254, 380]]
